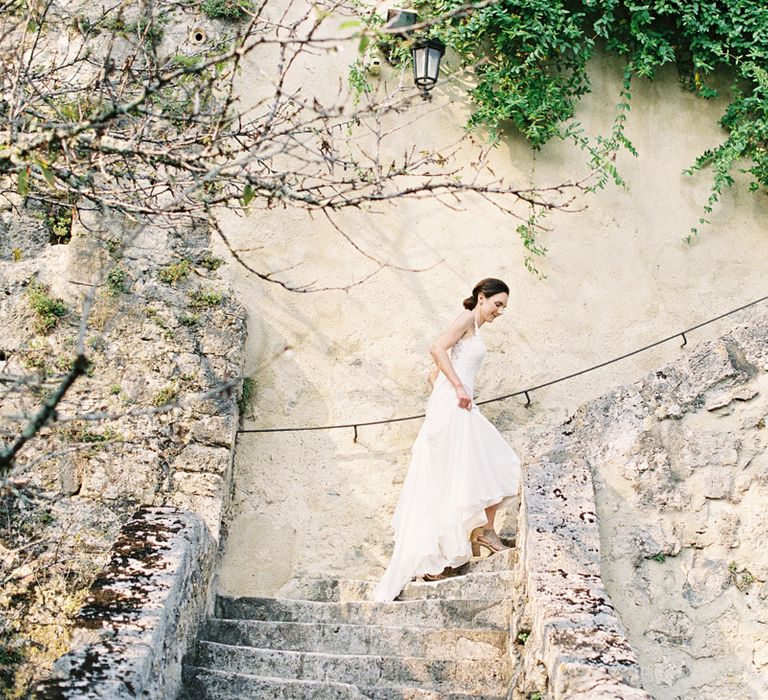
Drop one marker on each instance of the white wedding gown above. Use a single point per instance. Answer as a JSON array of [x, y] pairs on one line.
[[460, 465]]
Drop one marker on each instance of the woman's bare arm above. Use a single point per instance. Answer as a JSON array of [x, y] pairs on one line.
[[439, 351]]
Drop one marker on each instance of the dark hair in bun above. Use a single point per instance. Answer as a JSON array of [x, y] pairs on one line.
[[489, 286]]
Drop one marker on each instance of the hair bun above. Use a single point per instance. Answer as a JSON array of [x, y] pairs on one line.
[[489, 286]]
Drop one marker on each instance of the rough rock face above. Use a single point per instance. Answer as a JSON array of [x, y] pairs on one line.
[[134, 628], [679, 464], [151, 423]]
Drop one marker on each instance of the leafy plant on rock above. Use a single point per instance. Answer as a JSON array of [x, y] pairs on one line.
[[205, 298], [231, 10], [116, 281], [48, 309], [58, 219], [170, 274], [246, 395]]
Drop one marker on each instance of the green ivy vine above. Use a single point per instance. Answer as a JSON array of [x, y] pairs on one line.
[[530, 57]]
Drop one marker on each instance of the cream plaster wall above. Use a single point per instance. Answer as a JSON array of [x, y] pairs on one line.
[[618, 276]]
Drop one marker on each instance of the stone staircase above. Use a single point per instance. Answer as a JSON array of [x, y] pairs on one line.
[[444, 639]]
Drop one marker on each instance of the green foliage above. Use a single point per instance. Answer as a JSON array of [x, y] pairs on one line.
[[85, 432], [527, 233], [170, 274], [116, 281], [93, 436], [249, 386], [189, 319], [746, 120], [188, 97], [358, 80], [529, 59], [9, 656], [210, 262], [76, 109], [45, 517], [96, 342], [58, 219], [48, 310], [113, 246], [63, 363], [393, 49], [37, 355], [182, 61], [166, 395], [146, 29], [205, 298], [154, 315], [231, 10], [522, 636], [742, 579]]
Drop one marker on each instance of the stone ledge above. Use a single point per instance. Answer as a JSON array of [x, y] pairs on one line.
[[142, 612], [576, 647]]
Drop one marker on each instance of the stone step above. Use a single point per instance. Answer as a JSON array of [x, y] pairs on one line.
[[479, 677], [359, 639], [501, 561], [489, 585], [435, 613], [208, 684], [480, 585]]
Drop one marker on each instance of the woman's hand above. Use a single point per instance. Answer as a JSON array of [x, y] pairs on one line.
[[465, 401]]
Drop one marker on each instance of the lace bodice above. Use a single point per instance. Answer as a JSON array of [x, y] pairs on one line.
[[466, 357]]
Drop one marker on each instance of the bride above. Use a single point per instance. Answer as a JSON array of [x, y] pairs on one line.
[[461, 468]]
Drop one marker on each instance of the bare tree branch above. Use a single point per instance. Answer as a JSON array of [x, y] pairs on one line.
[[46, 413]]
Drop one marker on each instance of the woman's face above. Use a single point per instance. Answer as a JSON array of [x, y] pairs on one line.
[[491, 307]]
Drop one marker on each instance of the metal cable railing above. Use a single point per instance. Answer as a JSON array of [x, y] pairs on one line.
[[522, 392]]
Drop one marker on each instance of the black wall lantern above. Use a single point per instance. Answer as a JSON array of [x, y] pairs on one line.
[[426, 63]]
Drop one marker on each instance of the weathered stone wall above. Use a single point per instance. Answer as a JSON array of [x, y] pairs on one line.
[[574, 646], [679, 462], [152, 423], [143, 611]]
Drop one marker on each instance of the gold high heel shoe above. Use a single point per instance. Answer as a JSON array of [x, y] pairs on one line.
[[486, 537]]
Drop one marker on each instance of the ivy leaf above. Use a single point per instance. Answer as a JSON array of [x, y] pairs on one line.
[[23, 182], [248, 195], [47, 173], [364, 41], [350, 24]]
